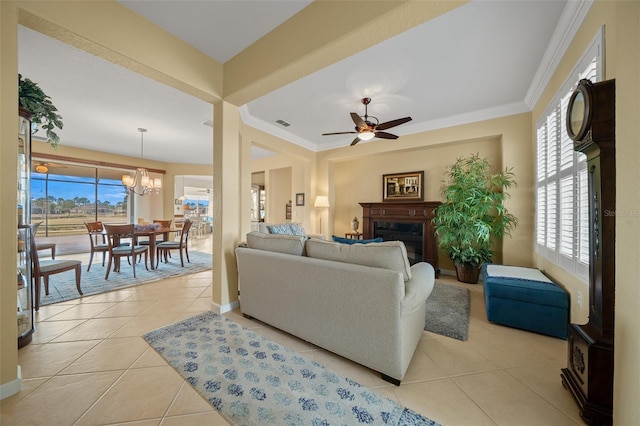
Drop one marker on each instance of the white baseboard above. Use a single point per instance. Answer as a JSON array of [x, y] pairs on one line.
[[13, 387], [221, 309]]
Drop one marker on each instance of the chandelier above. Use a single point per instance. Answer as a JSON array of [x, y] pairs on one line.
[[141, 183]]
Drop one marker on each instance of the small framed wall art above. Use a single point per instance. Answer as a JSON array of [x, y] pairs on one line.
[[403, 187], [300, 199]]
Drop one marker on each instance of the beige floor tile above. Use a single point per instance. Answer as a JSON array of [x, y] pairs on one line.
[[168, 306], [96, 328], [49, 330], [47, 360], [188, 401], [127, 309], [509, 402], [149, 422], [47, 311], [212, 419], [110, 296], [61, 400], [422, 368], [110, 354], [201, 304], [28, 386], [455, 357], [442, 401], [505, 353], [544, 379], [143, 324], [150, 358], [82, 311], [140, 394]]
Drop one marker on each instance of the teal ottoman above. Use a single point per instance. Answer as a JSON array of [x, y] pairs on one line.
[[525, 298]]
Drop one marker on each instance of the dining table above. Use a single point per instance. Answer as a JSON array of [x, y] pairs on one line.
[[152, 233]]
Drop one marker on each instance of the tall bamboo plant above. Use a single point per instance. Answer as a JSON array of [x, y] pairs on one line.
[[32, 98], [473, 213]]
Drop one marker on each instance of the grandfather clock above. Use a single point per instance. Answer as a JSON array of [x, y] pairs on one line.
[[589, 373]]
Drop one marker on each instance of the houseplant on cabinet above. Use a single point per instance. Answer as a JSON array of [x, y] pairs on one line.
[[472, 214], [33, 99]]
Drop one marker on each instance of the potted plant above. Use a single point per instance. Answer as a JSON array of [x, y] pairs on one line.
[[472, 214], [43, 112]]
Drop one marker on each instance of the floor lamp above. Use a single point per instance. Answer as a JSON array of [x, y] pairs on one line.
[[322, 202]]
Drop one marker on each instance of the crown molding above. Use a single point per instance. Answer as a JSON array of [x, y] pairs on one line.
[[570, 21]]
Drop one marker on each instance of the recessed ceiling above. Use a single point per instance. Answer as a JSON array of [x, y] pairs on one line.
[[476, 62]]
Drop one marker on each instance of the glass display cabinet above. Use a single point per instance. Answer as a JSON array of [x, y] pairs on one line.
[[24, 281]]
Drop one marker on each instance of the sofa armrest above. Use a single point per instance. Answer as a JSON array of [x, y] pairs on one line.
[[418, 288]]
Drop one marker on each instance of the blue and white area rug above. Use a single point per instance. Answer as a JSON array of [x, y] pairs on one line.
[[62, 287], [251, 380]]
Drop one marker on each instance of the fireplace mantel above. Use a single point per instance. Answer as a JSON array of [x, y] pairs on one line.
[[404, 221]]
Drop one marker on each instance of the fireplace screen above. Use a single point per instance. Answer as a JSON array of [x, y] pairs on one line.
[[410, 234]]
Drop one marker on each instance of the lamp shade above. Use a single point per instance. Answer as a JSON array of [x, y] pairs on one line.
[[366, 135], [321, 201]]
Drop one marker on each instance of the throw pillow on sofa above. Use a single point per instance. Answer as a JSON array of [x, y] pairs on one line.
[[287, 229], [352, 241], [288, 244], [390, 255]]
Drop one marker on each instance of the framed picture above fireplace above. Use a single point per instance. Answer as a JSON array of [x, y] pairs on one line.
[[403, 187]]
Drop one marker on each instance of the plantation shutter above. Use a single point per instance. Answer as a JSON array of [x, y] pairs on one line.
[[562, 227]]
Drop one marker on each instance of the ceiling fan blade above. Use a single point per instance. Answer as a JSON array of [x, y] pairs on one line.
[[338, 133], [385, 135], [357, 119], [392, 123], [355, 141]]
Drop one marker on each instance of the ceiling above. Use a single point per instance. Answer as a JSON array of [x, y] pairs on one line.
[[479, 61]]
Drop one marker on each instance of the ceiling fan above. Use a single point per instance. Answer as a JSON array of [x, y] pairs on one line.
[[367, 129], [42, 167]]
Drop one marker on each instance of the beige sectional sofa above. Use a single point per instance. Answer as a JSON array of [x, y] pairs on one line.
[[361, 301]]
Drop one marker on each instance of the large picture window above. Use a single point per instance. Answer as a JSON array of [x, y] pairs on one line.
[[68, 195], [562, 229]]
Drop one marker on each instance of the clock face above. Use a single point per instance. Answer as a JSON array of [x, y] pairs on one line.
[[579, 111]]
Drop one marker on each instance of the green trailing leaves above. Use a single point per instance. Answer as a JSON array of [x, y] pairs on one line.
[[33, 99], [473, 211]]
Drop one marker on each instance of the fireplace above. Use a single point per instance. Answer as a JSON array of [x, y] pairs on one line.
[[409, 222], [411, 234]]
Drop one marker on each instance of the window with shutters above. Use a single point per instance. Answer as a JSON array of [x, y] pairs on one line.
[[562, 227]]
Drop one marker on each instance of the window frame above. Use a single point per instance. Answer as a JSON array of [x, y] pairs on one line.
[[561, 171]]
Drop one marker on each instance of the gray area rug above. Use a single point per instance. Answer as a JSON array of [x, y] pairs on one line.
[[62, 286], [448, 311], [252, 380]]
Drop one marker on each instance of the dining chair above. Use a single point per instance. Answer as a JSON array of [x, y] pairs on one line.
[[98, 241], [117, 250], [164, 249], [42, 245], [45, 268]]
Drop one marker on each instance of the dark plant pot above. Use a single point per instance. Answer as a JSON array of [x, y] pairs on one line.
[[467, 274]]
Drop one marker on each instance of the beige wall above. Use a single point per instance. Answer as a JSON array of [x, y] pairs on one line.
[[360, 180], [505, 141], [622, 63]]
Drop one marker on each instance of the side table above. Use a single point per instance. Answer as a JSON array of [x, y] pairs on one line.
[[353, 235]]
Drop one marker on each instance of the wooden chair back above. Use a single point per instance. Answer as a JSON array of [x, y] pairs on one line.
[[117, 250]]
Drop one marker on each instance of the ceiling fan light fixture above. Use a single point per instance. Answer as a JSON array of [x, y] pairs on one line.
[[366, 135]]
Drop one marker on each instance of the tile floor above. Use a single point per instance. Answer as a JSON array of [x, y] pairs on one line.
[[88, 365]]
